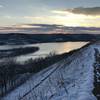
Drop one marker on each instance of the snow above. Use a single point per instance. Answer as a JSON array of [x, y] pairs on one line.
[[69, 79]]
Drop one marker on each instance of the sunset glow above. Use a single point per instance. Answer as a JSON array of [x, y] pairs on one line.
[[69, 13]]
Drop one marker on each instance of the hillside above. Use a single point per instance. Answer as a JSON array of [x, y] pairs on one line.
[[21, 38], [74, 78]]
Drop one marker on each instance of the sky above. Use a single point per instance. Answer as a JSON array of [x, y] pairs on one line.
[[28, 15]]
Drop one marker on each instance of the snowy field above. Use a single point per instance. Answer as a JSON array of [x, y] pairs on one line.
[[69, 79]]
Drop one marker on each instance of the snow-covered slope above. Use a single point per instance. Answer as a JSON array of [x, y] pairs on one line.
[[69, 79]]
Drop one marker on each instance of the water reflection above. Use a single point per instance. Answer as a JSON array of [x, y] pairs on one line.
[[46, 48]]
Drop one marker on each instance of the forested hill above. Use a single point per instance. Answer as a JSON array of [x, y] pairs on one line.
[[21, 38]]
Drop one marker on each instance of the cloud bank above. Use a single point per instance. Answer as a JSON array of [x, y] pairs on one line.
[[48, 29], [85, 11]]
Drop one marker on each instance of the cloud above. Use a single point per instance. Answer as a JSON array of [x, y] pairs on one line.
[[32, 28], [85, 11], [46, 29], [1, 6]]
